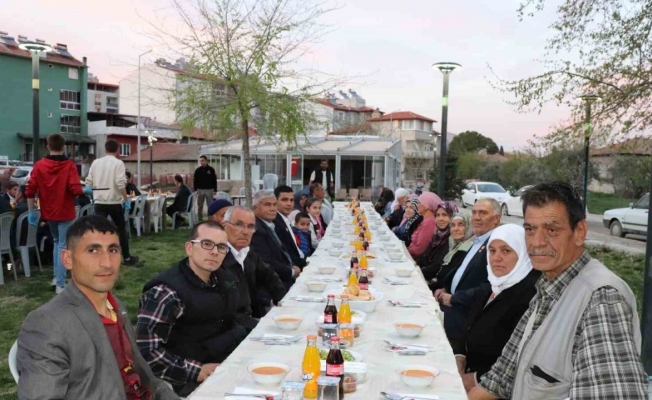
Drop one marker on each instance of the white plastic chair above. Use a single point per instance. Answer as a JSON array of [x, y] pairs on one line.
[[270, 181], [86, 210], [138, 216], [190, 212], [5, 242], [30, 242], [156, 213], [13, 366], [77, 209]]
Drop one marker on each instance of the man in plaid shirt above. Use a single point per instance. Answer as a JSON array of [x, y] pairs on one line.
[[580, 338]]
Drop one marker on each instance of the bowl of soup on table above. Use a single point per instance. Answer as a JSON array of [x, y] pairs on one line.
[[334, 252], [288, 322], [316, 286], [268, 373], [326, 269], [404, 271], [408, 329], [337, 244], [417, 376]]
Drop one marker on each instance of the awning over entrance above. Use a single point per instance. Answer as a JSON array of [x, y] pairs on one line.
[[70, 137]]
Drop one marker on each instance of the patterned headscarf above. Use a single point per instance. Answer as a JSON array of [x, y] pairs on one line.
[[463, 244], [441, 235], [412, 203]]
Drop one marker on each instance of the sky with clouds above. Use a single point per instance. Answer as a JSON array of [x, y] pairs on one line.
[[389, 46]]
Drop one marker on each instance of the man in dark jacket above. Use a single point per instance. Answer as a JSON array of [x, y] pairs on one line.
[[259, 286], [266, 244], [56, 181], [187, 317], [283, 226], [5, 206], [205, 184], [131, 187], [180, 203], [469, 281], [19, 209]]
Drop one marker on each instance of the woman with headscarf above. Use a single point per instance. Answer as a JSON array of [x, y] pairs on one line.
[[494, 315], [428, 204], [300, 198], [411, 221], [398, 208], [384, 204], [459, 243], [438, 248]]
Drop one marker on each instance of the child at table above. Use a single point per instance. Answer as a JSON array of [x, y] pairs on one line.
[[301, 229], [317, 225]]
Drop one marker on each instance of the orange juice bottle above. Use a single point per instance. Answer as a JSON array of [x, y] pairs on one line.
[[358, 245], [311, 368], [344, 313], [363, 261], [367, 235], [353, 278], [356, 229]]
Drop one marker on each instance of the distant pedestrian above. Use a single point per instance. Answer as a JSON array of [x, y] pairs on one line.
[[56, 182], [324, 177], [205, 184], [108, 180]]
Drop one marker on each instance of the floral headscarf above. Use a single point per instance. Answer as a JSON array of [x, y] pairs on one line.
[[463, 244], [412, 203]]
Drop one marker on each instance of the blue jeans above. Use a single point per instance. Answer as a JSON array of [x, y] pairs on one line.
[[59, 230]]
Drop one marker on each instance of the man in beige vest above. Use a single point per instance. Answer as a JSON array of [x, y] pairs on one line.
[[580, 338]]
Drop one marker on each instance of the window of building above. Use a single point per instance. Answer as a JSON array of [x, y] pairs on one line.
[[70, 124], [69, 99], [220, 88], [73, 73], [407, 125], [125, 149], [419, 125]]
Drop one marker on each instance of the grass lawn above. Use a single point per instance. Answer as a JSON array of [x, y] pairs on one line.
[[601, 202], [158, 253]]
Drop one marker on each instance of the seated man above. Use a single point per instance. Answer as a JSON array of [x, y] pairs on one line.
[[80, 344], [180, 203], [187, 316], [259, 286], [283, 226], [130, 187], [217, 209], [266, 243], [5, 206]]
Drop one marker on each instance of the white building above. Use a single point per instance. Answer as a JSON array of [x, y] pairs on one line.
[[102, 97]]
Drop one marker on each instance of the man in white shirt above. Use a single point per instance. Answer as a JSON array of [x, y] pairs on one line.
[[108, 179], [317, 191], [258, 284], [323, 176], [283, 226]]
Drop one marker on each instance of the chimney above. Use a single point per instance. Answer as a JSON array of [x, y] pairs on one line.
[[22, 38], [84, 60]]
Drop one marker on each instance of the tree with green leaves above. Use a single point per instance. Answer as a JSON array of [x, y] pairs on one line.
[[454, 184], [600, 47], [471, 142], [242, 68]]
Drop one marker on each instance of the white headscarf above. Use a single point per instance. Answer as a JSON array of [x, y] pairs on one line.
[[400, 192], [514, 236]]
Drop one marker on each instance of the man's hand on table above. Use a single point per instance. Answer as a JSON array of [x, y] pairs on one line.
[[206, 371]]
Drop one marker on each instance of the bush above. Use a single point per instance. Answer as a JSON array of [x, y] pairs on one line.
[[630, 176]]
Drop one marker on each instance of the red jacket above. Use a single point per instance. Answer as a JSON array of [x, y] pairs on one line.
[[57, 183]]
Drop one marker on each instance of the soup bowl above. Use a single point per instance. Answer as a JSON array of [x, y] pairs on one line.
[[418, 376], [316, 286], [404, 271], [394, 250], [337, 244], [334, 252], [384, 237], [408, 329], [395, 256], [288, 322], [326, 269], [268, 373]]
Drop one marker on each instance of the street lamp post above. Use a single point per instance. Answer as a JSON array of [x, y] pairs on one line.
[[139, 122], [151, 139], [588, 100], [646, 320], [446, 68], [35, 48]]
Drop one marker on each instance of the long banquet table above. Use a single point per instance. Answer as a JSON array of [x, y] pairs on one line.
[[382, 364]]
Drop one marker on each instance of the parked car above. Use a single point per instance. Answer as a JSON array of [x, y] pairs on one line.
[[632, 219], [513, 205], [477, 190], [21, 175]]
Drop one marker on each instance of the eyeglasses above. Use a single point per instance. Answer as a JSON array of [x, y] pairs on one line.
[[208, 245], [240, 226]]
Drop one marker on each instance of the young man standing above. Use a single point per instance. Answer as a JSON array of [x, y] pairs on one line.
[[205, 184], [55, 180], [324, 177], [107, 179]]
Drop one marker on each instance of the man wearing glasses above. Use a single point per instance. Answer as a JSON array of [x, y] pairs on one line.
[[258, 284], [187, 317]]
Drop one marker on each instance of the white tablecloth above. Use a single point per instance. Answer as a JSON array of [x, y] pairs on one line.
[[381, 375]]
